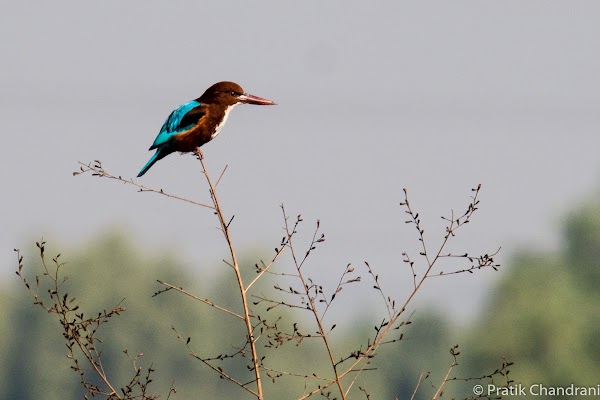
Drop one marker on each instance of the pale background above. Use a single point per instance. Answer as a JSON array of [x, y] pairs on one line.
[[372, 97]]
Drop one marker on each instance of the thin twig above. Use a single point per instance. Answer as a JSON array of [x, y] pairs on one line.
[[266, 268], [206, 301], [313, 306], [307, 376], [356, 377], [417, 385], [454, 351], [221, 176], [97, 170], [453, 225], [219, 370]]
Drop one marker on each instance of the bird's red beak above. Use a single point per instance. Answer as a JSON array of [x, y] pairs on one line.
[[251, 99]]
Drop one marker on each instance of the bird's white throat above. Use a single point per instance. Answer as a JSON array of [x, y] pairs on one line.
[[222, 123]]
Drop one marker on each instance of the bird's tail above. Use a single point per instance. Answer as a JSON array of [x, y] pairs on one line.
[[157, 156]]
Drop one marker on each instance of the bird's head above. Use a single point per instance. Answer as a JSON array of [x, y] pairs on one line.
[[230, 93]]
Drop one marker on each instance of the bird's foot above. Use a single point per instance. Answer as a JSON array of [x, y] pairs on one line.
[[198, 153]]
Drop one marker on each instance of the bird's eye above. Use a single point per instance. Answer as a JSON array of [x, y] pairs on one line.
[[234, 94]]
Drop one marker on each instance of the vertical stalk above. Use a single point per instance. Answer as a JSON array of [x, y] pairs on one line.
[[236, 267]]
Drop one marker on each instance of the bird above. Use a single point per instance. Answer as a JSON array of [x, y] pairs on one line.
[[199, 121]]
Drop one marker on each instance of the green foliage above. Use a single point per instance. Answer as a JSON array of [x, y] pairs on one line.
[[425, 350], [100, 276], [544, 315], [582, 253]]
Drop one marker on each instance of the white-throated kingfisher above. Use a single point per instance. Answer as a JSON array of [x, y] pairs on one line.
[[198, 122]]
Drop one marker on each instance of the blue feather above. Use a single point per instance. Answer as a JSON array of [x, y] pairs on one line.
[[172, 125], [157, 156]]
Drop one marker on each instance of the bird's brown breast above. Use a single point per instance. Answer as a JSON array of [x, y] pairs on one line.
[[201, 133]]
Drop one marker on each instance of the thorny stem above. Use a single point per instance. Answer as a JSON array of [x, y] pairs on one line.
[[225, 228], [313, 309]]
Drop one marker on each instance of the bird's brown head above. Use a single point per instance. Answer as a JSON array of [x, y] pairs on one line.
[[230, 93]]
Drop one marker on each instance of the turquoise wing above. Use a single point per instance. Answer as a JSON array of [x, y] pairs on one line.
[[180, 120]]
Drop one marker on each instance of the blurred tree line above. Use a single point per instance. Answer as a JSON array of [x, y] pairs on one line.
[[543, 316]]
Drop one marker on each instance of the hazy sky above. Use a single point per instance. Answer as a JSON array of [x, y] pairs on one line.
[[373, 97]]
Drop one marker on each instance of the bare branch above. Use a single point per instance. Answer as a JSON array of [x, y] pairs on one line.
[[225, 228], [205, 301], [311, 299], [97, 170]]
